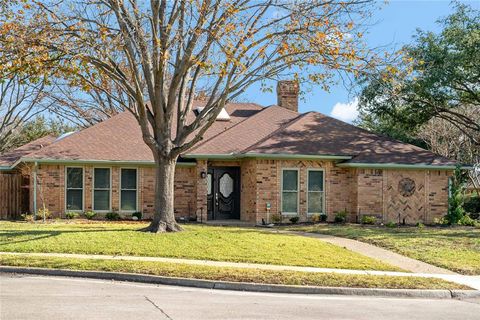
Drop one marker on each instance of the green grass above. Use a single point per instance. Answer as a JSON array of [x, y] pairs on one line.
[[457, 249], [196, 242], [232, 274]]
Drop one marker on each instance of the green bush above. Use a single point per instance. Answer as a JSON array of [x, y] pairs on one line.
[[137, 215], [276, 218], [323, 217], [112, 216], [368, 220], [341, 216], [441, 221], [294, 220], [71, 215], [391, 224], [467, 221], [420, 225], [89, 214], [455, 201], [472, 206]]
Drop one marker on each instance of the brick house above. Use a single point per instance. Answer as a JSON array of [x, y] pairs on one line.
[[253, 163]]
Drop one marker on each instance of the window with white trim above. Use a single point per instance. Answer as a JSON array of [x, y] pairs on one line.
[[316, 194], [74, 189], [101, 189], [128, 190], [290, 191]]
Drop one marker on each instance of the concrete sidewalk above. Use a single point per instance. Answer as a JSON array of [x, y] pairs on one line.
[[471, 281], [384, 255]]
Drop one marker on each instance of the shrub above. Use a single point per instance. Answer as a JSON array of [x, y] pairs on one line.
[[71, 215], [420, 225], [44, 213], [472, 206], [137, 215], [276, 218], [391, 224], [294, 219], [455, 201], [341, 216], [441, 221], [368, 220], [467, 221], [112, 216], [323, 217], [474, 216], [89, 214], [315, 217], [27, 217]]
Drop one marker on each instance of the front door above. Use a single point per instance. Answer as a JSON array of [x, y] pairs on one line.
[[223, 196]]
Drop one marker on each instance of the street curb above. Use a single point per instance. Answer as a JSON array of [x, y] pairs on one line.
[[242, 286]]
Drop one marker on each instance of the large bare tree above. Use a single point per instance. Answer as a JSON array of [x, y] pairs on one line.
[[159, 52], [20, 100]]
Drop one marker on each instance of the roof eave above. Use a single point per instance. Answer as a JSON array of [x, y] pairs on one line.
[[400, 166], [273, 156], [101, 162]]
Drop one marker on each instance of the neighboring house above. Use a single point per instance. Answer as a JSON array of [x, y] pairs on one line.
[[253, 162]]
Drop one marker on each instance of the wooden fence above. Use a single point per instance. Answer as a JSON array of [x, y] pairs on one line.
[[13, 195]]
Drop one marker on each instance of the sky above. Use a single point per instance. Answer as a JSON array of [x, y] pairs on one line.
[[396, 23]]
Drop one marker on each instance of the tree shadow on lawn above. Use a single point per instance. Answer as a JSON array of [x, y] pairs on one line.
[[43, 234]]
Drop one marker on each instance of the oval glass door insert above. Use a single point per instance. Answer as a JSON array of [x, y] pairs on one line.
[[226, 185]]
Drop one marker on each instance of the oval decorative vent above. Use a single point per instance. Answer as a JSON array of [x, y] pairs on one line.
[[406, 187]]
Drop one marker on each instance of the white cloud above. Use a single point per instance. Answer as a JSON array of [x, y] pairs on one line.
[[345, 111]]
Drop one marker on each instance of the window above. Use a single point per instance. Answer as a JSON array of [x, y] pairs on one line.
[[128, 190], [315, 197], [101, 189], [74, 192], [290, 191]]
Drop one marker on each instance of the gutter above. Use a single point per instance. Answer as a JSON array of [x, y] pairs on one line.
[[101, 162], [277, 156], [400, 166]]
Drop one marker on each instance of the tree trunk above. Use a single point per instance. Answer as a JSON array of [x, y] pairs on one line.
[[164, 216]]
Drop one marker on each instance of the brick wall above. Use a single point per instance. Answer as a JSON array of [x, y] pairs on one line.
[[379, 193], [362, 191], [51, 189]]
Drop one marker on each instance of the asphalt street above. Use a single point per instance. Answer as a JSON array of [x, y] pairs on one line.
[[37, 297]]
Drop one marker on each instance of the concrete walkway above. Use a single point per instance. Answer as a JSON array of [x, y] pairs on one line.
[[377, 253], [471, 281]]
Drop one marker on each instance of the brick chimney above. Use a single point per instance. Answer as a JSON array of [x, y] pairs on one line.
[[287, 94]]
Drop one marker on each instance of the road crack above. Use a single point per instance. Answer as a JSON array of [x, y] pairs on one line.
[[158, 308]]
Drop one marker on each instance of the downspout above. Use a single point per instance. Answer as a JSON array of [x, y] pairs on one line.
[[35, 192]]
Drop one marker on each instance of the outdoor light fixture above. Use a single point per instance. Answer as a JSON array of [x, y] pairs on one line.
[[203, 174]]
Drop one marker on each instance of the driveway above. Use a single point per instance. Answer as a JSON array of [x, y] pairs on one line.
[[34, 297]]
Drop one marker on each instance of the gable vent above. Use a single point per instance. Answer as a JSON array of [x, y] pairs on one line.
[[222, 116]]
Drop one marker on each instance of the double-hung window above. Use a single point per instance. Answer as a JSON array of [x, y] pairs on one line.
[[101, 189], [128, 190], [290, 191], [74, 189], [316, 195]]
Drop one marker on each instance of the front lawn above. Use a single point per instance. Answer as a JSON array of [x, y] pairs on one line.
[[232, 274], [457, 249], [196, 242]]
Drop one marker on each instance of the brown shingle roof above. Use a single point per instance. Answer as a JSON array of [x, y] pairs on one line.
[[119, 138], [316, 134], [9, 158], [251, 130]]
